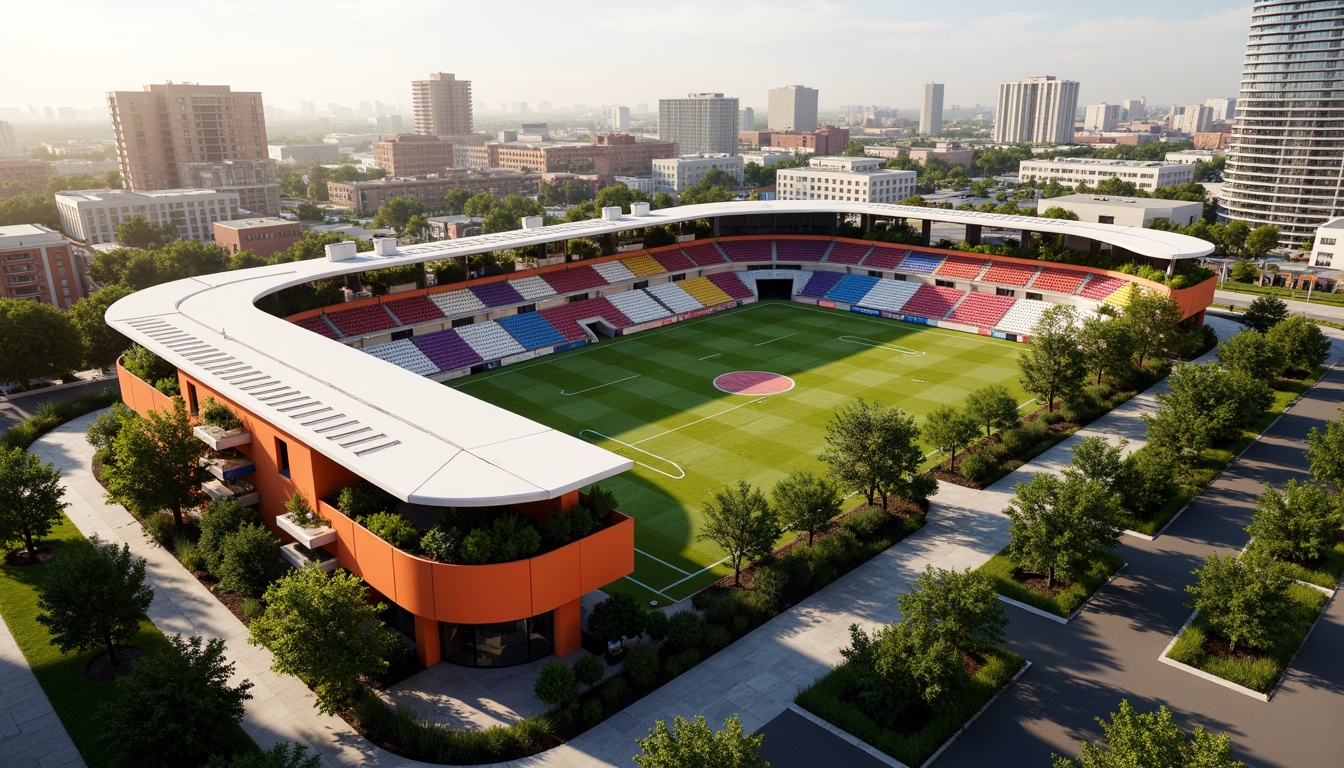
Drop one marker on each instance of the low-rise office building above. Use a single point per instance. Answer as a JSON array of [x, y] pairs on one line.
[[92, 215], [677, 174], [952, 154], [855, 179], [254, 181], [262, 236], [38, 264], [304, 153], [1073, 170], [366, 196], [609, 154], [826, 140], [1190, 156], [411, 154], [1125, 211], [32, 174], [1328, 246]]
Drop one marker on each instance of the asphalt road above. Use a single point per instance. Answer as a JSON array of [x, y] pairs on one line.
[[1110, 652], [17, 409], [1313, 310]]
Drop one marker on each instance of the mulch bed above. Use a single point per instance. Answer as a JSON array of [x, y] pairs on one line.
[[100, 670], [1217, 646], [1037, 582], [22, 557]]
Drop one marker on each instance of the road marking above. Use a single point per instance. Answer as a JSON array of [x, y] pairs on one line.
[[763, 343], [599, 386], [664, 562], [632, 447]]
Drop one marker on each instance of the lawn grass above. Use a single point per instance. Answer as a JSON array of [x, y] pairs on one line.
[[651, 398], [1001, 568], [1326, 572], [76, 699], [1214, 460], [1261, 673], [826, 698]]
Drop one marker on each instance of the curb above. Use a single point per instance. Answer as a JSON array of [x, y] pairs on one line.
[[1243, 690], [1062, 619], [848, 737], [1026, 664], [110, 380]]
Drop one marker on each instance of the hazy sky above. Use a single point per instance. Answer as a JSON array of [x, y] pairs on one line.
[[854, 51]]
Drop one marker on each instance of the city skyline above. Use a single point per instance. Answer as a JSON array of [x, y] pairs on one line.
[[1204, 38]]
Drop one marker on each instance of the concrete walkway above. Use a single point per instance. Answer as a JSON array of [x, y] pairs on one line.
[[756, 677], [30, 732]]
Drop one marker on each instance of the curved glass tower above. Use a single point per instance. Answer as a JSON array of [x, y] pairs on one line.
[[1285, 165]]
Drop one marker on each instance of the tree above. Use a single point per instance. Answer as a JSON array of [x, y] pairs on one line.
[[1242, 597], [1095, 459], [1262, 240], [396, 212], [805, 502], [740, 522], [249, 560], [693, 744], [589, 670], [1151, 739], [1244, 271], [1053, 366], [286, 754], [177, 705], [95, 595], [903, 666], [1325, 452], [1060, 526], [874, 448], [101, 343], [960, 607], [556, 685], [1304, 346], [218, 520], [30, 498], [322, 629], [1108, 345], [1253, 354], [38, 340], [31, 208], [1154, 321], [949, 429], [1207, 403], [156, 463], [1055, 212], [616, 617], [1297, 525], [310, 212], [1264, 313], [137, 232], [992, 407]]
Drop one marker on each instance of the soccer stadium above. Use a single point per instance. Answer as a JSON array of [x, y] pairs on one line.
[[660, 373]]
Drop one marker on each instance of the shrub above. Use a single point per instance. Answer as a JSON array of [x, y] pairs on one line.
[[684, 630], [1034, 430], [582, 523], [589, 670], [770, 581], [719, 609], [189, 553], [249, 561], [868, 522], [797, 569], [556, 685], [169, 386], [215, 413], [252, 607], [160, 527], [977, 468], [442, 545], [655, 626], [1016, 441], [514, 538], [616, 617], [394, 529], [838, 549], [478, 547], [558, 529], [602, 502], [680, 662], [361, 500], [218, 520], [614, 689], [591, 712], [715, 637], [641, 665], [302, 513]]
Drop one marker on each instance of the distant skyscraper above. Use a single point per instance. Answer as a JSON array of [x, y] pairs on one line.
[[746, 119], [701, 123], [1196, 118], [931, 110], [1285, 162], [618, 118], [1224, 110], [792, 108], [1135, 109], [9, 145], [1102, 117], [1038, 110], [442, 105]]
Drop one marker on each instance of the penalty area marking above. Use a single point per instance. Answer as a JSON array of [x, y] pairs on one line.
[[599, 386], [711, 357], [681, 473], [879, 345], [772, 341]]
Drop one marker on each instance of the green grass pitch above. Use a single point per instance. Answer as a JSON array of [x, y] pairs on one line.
[[650, 397]]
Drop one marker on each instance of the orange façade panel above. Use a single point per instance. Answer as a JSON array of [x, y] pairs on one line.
[[482, 594], [375, 561], [415, 583], [555, 578], [607, 555], [1196, 298], [345, 536]]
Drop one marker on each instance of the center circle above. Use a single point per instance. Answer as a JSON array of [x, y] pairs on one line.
[[753, 383]]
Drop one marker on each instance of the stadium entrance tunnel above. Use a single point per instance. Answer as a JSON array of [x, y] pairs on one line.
[[596, 327], [775, 289]]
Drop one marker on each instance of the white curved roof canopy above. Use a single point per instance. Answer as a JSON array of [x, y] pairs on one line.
[[419, 440]]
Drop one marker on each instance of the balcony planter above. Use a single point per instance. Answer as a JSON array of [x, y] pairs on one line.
[[228, 465], [312, 538], [239, 490], [219, 438], [295, 555]]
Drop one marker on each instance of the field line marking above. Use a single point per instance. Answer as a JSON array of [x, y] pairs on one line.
[[632, 447], [693, 423], [1024, 405], [785, 336], [599, 386], [659, 559], [711, 357], [693, 575], [888, 323], [646, 586], [880, 345]]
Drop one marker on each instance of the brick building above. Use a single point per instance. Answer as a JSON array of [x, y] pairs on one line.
[[609, 154], [366, 196], [410, 154], [263, 236], [37, 263], [32, 174], [826, 140]]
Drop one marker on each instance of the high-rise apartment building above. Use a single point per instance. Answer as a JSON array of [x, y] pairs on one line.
[[1037, 110], [9, 145], [700, 124], [1285, 162], [792, 108], [442, 105], [1196, 118], [618, 118], [931, 110], [746, 119], [1102, 117], [1135, 109], [1224, 110]]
